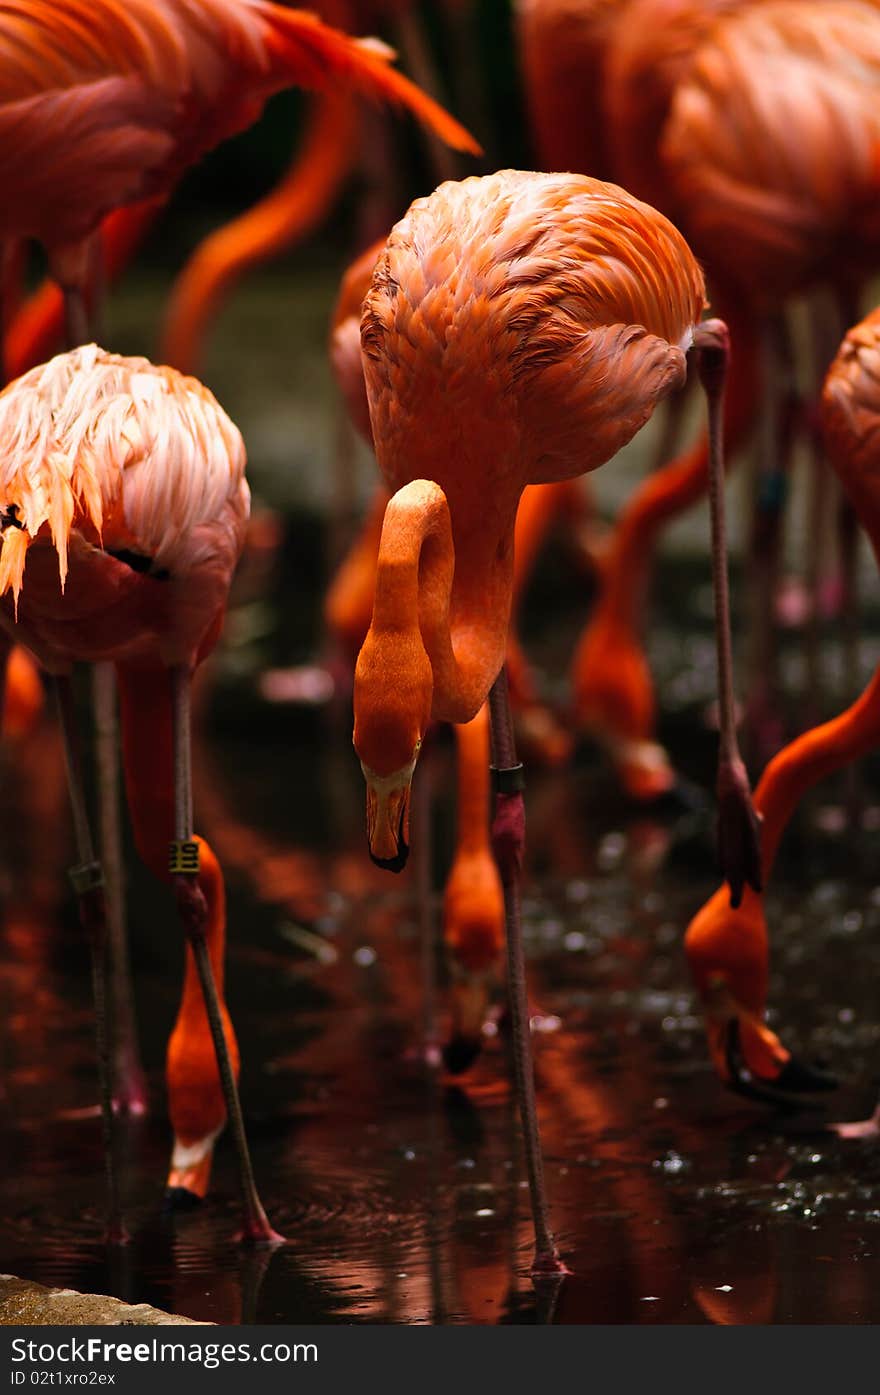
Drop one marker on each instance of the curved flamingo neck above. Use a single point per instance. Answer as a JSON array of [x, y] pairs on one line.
[[472, 749], [453, 588], [297, 204], [807, 760]]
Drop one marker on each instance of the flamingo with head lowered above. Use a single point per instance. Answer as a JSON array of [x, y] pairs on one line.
[[519, 329], [123, 505], [727, 948]]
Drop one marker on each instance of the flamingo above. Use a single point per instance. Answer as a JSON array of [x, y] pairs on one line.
[[768, 208], [124, 506], [519, 329], [473, 901], [327, 155], [563, 46], [727, 949], [104, 103], [348, 604]]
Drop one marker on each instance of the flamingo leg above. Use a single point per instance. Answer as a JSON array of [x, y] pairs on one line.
[[88, 882], [821, 494], [508, 841], [413, 44], [848, 544], [738, 824], [80, 312], [130, 1086], [194, 913], [776, 439]]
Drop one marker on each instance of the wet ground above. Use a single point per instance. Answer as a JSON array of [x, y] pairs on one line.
[[401, 1191]]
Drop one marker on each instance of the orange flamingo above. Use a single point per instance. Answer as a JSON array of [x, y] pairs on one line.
[[473, 902], [686, 84], [122, 487], [105, 103], [348, 605], [327, 156], [563, 47], [519, 329], [727, 949]]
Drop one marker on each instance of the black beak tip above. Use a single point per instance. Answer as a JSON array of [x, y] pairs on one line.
[[801, 1076], [796, 1077], [460, 1052], [398, 862], [180, 1199]]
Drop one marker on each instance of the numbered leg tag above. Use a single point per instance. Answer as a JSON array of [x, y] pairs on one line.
[[183, 858]]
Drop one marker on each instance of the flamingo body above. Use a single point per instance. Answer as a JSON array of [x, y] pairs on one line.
[[727, 949], [103, 102], [519, 329], [775, 197], [128, 484], [124, 507]]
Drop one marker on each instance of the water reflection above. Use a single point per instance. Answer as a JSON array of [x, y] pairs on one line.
[[400, 1190]]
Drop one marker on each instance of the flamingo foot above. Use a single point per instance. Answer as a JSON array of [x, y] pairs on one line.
[[257, 1232], [864, 1128]]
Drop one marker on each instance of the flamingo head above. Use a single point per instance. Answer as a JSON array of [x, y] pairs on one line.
[[393, 687], [728, 956], [473, 931]]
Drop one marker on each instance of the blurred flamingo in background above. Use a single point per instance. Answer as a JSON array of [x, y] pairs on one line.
[[122, 487], [769, 193], [727, 949], [106, 103], [562, 47], [300, 202], [519, 329]]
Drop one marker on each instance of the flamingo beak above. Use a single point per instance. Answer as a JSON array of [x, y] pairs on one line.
[[470, 1006], [644, 770], [388, 800], [752, 1061], [190, 1173]]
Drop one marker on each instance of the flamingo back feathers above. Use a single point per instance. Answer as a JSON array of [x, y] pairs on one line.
[[851, 419], [127, 452], [770, 142], [115, 98], [554, 300]]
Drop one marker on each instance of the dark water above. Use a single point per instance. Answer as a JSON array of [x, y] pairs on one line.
[[400, 1192]]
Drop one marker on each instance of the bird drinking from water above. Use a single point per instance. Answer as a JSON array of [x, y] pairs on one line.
[[519, 329], [124, 502]]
